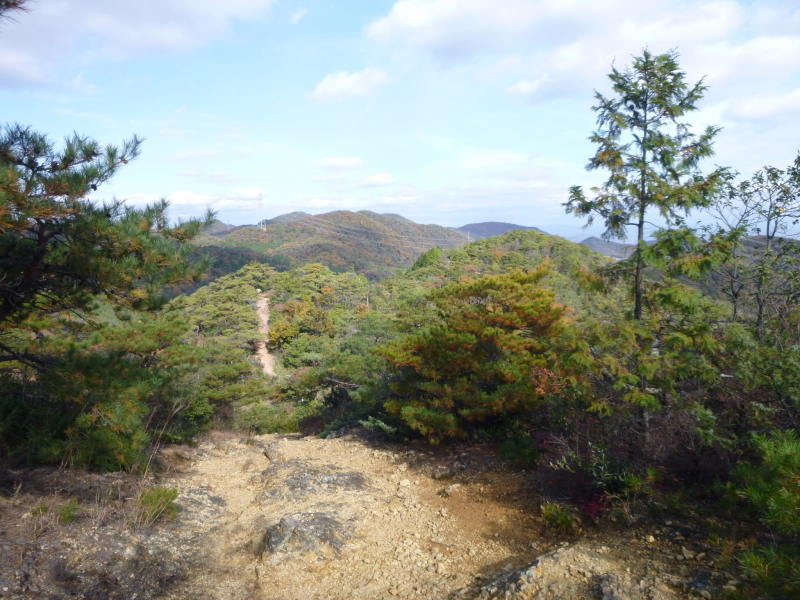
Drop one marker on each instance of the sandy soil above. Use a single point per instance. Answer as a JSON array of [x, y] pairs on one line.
[[286, 517]]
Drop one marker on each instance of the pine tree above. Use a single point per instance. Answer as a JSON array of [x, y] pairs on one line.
[[60, 250], [650, 152], [496, 351]]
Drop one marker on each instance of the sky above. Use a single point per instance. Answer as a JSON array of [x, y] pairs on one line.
[[443, 111]]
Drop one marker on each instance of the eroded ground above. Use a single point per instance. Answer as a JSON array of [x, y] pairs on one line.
[[286, 517]]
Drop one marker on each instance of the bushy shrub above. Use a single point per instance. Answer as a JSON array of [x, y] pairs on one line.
[[560, 517], [267, 418], [520, 450], [156, 504], [771, 487]]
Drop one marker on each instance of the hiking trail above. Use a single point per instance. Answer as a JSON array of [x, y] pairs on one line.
[[266, 358]]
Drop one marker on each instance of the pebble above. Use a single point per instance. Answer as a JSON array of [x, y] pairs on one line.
[[451, 489], [441, 473], [404, 483]]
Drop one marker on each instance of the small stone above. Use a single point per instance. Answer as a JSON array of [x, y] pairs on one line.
[[404, 483], [729, 588], [705, 594], [472, 551], [701, 556], [441, 473], [451, 489], [651, 539], [440, 568]]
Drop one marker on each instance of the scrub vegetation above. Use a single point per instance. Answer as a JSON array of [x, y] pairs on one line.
[[669, 380]]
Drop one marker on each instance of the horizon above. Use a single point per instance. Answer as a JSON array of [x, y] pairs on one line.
[[443, 111]]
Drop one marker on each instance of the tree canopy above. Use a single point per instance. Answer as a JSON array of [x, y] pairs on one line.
[[60, 249], [651, 154]]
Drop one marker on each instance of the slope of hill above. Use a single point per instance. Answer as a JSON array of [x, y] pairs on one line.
[[612, 249], [374, 244], [478, 231]]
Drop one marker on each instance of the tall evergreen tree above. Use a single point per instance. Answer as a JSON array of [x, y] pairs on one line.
[[651, 154]]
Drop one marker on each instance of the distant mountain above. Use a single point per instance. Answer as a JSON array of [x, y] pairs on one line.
[[612, 249], [288, 217], [478, 231], [371, 243], [220, 229]]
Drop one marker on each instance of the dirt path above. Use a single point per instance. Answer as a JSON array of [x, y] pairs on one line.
[[283, 517], [262, 351], [303, 518], [286, 517]]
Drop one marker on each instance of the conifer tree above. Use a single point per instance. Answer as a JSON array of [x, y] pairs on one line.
[[651, 154], [59, 249], [496, 350]]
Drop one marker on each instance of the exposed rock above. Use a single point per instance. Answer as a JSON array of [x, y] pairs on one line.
[[441, 473], [303, 532], [579, 572], [296, 477], [450, 490], [274, 452]]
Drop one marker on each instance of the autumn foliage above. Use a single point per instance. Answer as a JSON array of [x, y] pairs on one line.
[[495, 349]]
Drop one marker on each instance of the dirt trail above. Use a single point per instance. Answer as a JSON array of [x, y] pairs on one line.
[[287, 517], [262, 351], [283, 517]]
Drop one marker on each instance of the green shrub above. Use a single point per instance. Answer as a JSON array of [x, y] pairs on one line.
[[267, 418], [155, 504], [560, 517], [772, 489], [520, 451], [68, 512]]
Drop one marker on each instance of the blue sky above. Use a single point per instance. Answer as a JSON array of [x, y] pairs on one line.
[[443, 111]]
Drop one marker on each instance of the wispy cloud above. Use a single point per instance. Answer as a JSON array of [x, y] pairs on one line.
[[298, 15], [380, 179], [342, 84], [33, 49], [195, 154], [341, 162]]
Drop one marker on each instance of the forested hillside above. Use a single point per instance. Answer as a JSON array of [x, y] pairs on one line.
[[663, 383], [374, 244], [478, 231]]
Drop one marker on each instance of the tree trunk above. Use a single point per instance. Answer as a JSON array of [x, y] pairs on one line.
[[638, 293]]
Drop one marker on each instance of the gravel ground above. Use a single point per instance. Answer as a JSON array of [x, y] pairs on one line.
[[283, 517]]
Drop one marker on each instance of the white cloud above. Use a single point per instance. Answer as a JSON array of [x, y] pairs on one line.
[[34, 48], [171, 132], [766, 106], [341, 162], [477, 159], [380, 179], [458, 29], [217, 177], [329, 178], [568, 45], [298, 15], [342, 84], [195, 154], [528, 87]]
